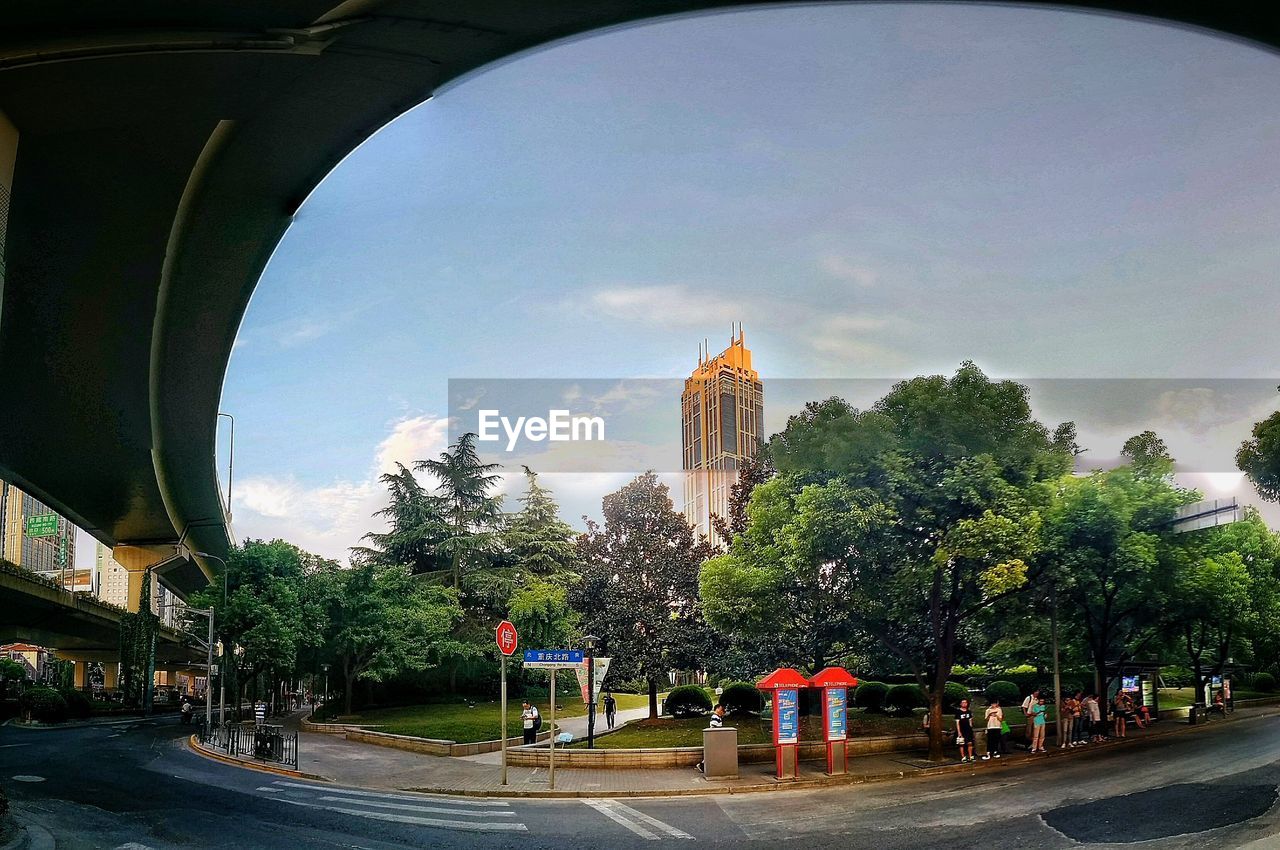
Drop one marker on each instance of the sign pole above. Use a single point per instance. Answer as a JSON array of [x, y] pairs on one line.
[[551, 754], [503, 660]]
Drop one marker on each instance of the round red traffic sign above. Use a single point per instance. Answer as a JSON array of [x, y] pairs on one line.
[[507, 637]]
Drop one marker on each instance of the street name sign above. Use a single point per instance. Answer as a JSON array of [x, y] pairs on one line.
[[42, 525], [552, 659]]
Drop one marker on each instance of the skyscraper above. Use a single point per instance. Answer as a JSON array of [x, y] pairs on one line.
[[46, 553], [722, 414]]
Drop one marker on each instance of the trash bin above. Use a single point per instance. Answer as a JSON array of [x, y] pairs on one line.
[[720, 753]]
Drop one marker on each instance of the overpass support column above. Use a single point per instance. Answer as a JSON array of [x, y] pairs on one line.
[[81, 675], [110, 675], [138, 560]]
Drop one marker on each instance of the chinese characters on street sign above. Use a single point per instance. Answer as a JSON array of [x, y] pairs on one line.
[[42, 525], [548, 658], [507, 637]]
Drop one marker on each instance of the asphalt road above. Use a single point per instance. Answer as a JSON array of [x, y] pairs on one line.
[[137, 786]]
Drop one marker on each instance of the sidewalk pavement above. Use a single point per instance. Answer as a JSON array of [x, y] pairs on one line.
[[575, 726], [383, 768]]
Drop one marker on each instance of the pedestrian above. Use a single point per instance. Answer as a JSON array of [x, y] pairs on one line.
[[995, 722], [1067, 711], [1080, 721], [964, 731], [1119, 715], [610, 709], [531, 720], [1095, 719], [716, 722], [1027, 705], [1038, 713], [259, 713]]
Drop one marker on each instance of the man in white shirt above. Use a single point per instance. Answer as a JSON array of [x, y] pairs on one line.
[[530, 720]]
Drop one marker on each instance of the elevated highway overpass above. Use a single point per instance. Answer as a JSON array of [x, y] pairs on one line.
[[152, 155]]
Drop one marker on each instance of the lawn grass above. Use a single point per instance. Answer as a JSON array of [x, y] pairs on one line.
[[1183, 697], [465, 723], [687, 731]]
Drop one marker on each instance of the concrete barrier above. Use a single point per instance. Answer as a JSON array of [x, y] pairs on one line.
[[658, 757]]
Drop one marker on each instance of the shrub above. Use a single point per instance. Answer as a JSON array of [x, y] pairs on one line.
[[1264, 682], [1005, 691], [78, 705], [870, 695], [1177, 676], [953, 694], [1025, 677], [741, 698], [688, 700], [902, 698], [45, 705]]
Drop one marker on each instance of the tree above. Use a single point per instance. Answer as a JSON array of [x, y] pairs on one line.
[[754, 471], [383, 621], [418, 526], [639, 591], [540, 548], [962, 468], [1147, 455], [1108, 547], [1259, 458], [471, 513]]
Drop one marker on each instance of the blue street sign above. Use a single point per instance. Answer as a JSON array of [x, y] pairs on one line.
[[787, 711], [552, 657]]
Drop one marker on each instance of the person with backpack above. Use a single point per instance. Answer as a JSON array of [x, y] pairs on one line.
[[531, 720], [1027, 705]]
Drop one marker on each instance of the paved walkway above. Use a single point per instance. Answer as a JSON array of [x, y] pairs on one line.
[[575, 726], [349, 763]]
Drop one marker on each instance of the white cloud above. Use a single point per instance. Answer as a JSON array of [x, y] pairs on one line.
[[331, 518], [845, 269]]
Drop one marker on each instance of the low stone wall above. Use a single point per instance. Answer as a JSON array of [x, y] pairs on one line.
[[308, 725], [432, 746], [657, 757]]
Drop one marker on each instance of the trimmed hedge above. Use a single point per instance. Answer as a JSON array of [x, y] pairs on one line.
[[78, 705], [687, 700], [45, 705], [1264, 682], [952, 695], [1007, 692], [741, 698], [870, 695], [901, 699]]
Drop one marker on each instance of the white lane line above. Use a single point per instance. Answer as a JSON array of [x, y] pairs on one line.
[[652, 821], [422, 798], [406, 807], [270, 790], [473, 826], [6, 746], [602, 806]]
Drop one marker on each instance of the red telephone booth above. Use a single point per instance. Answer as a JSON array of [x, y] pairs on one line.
[[785, 683], [836, 684]]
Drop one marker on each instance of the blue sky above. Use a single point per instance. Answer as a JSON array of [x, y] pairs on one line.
[[874, 191]]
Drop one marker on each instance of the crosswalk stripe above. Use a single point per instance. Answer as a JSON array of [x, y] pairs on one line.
[[406, 807], [433, 798], [486, 826], [652, 821], [602, 806]]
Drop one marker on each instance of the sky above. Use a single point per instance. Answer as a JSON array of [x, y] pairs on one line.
[[874, 191]]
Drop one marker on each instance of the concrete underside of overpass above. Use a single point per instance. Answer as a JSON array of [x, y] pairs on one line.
[[154, 154], [75, 625]]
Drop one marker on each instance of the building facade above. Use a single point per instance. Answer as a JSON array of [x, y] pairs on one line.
[[44, 554], [722, 424]]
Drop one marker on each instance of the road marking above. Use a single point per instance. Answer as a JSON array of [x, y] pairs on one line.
[[421, 798], [270, 790], [488, 826], [602, 806], [6, 746], [652, 821], [406, 807], [23, 777]]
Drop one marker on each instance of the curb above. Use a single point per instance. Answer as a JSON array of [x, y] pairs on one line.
[[195, 747], [823, 781]]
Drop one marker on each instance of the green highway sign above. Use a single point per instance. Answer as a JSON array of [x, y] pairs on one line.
[[42, 525]]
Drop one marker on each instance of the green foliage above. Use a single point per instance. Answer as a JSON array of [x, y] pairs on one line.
[[952, 695], [741, 698], [1264, 682], [1259, 458], [1007, 692], [78, 705], [870, 695], [44, 704], [970, 671], [901, 699], [11, 671], [1177, 676], [687, 700]]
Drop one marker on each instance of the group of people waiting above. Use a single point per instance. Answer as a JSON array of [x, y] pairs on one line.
[[1081, 715]]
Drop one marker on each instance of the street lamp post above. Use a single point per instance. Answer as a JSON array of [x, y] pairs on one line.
[[222, 673], [208, 703], [589, 643], [325, 668]]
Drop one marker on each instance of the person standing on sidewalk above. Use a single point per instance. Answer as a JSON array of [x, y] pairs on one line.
[[964, 731], [1027, 705], [530, 719], [1038, 712], [995, 722], [1095, 719], [259, 713]]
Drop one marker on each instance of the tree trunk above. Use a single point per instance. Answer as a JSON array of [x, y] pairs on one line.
[[653, 699], [937, 740], [346, 697]]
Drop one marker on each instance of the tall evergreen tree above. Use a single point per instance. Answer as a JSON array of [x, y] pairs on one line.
[[471, 513]]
